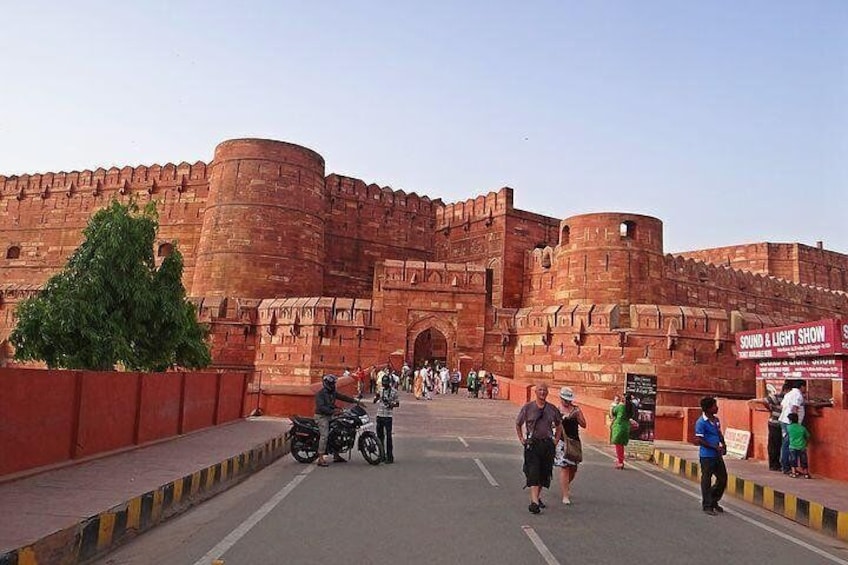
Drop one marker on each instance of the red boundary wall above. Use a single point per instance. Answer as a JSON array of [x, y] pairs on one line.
[[52, 416]]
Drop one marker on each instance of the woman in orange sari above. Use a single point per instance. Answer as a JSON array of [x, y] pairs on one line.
[[418, 384]]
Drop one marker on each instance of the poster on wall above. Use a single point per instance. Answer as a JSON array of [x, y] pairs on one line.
[[810, 339], [821, 368], [643, 389]]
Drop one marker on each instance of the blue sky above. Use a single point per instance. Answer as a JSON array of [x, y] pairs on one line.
[[727, 119]]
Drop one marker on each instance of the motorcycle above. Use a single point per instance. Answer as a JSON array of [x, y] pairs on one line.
[[351, 427]]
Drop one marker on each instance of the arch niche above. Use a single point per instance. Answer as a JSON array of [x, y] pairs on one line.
[[431, 340]]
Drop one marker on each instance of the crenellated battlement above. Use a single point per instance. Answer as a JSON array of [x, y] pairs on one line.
[[13, 293], [340, 186], [482, 207], [143, 178], [757, 284], [431, 276], [293, 312]]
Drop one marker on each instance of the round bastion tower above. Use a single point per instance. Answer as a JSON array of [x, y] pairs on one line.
[[610, 258], [263, 226]]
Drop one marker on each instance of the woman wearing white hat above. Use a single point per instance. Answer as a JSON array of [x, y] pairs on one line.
[[568, 459]]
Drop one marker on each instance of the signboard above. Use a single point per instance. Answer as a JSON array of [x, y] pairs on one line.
[[825, 368], [643, 389], [737, 442], [811, 339]]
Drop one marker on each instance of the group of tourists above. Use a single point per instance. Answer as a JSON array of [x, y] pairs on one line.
[[550, 433], [787, 436], [550, 437]]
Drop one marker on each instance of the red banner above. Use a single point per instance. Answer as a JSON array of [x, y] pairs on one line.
[[826, 368], [811, 339]]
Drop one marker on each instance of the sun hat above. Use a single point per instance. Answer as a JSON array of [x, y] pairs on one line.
[[566, 393]]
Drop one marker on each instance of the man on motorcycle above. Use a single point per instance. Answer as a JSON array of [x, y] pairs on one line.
[[325, 407]]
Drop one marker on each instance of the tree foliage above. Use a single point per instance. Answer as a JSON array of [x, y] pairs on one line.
[[111, 305]]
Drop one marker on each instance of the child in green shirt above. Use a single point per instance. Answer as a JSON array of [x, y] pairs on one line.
[[798, 437]]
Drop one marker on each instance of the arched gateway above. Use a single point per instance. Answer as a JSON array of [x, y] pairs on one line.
[[431, 340]]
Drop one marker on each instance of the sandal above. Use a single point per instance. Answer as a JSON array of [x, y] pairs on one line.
[[793, 475], [807, 476]]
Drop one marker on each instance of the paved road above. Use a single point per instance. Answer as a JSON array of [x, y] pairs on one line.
[[455, 496]]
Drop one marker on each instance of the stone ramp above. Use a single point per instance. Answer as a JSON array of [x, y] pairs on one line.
[[74, 513]]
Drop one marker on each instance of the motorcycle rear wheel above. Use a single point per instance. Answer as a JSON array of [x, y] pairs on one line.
[[304, 452], [371, 448]]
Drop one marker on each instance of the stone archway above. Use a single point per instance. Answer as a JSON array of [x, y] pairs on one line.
[[433, 338], [432, 346]]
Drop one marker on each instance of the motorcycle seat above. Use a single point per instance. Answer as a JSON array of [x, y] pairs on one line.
[[303, 421]]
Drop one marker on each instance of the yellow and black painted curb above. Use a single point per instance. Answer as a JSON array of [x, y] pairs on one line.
[[97, 534], [805, 512]]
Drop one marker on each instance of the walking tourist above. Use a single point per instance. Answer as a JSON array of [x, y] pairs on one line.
[[471, 383], [536, 423], [455, 380], [444, 379], [418, 383], [621, 414], [569, 451], [709, 436]]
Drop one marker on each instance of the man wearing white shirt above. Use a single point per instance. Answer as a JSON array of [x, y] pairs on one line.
[[792, 403]]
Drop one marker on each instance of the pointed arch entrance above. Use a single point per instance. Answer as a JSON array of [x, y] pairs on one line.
[[432, 339], [430, 345]]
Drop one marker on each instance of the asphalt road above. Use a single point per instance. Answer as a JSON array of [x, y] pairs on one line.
[[455, 496]]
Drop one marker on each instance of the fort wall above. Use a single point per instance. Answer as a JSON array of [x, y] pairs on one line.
[[475, 231], [299, 274], [793, 262], [587, 346], [366, 223], [42, 215]]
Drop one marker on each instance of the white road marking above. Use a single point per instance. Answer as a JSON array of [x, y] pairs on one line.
[[752, 521], [540, 546], [462, 441], [233, 537], [486, 473]]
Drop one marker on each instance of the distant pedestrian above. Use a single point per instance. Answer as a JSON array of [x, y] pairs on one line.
[[792, 403], [472, 383], [372, 381], [429, 383], [360, 377], [568, 459], [455, 380], [622, 413], [798, 438], [406, 377], [709, 436], [418, 383], [444, 380], [536, 423]]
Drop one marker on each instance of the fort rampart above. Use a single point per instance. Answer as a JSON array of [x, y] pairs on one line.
[[299, 273]]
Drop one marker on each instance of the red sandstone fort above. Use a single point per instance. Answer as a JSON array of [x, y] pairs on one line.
[[300, 273]]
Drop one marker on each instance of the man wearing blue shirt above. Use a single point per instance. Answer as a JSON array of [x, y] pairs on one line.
[[708, 435]]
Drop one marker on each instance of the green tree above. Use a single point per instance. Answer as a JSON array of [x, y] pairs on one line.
[[111, 305]]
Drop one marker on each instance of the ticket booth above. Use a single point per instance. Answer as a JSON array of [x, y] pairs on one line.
[[812, 351]]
